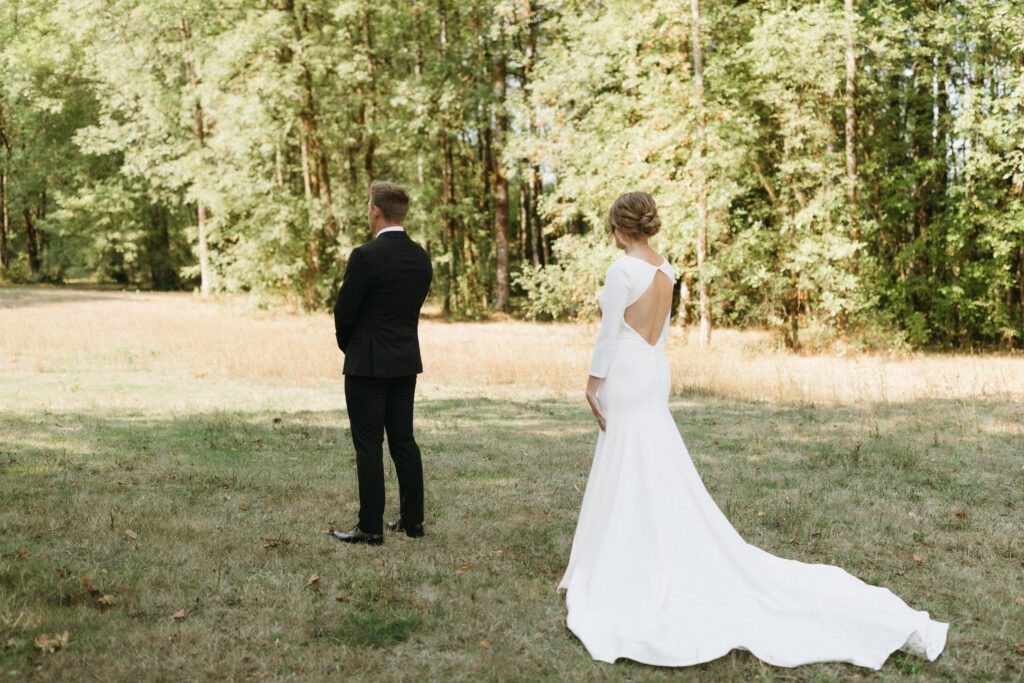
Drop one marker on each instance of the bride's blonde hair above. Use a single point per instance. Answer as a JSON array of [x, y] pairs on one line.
[[634, 213]]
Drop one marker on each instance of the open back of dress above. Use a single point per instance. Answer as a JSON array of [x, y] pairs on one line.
[[648, 315], [635, 305]]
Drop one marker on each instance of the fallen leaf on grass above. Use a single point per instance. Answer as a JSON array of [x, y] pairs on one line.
[[48, 644], [313, 578], [179, 615], [466, 567], [794, 541], [243, 506], [131, 534], [23, 554], [1019, 600], [485, 644], [88, 585], [918, 558], [1019, 649], [271, 543], [107, 600]]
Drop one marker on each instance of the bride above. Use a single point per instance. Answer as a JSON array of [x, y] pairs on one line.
[[657, 573]]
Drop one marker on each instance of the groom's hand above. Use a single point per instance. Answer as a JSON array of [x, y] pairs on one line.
[[593, 384]]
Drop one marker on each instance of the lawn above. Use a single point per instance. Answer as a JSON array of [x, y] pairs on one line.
[[169, 468]]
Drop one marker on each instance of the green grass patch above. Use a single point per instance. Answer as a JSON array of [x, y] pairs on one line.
[[219, 516], [372, 628]]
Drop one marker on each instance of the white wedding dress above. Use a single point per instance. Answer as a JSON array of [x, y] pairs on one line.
[[657, 574]]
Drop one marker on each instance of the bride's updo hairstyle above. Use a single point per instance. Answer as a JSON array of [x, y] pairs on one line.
[[634, 214]]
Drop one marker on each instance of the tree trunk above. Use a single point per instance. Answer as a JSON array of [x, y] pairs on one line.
[[545, 244], [448, 180], [205, 278], [1020, 288], [702, 193], [683, 311], [483, 136], [307, 182], [531, 174], [851, 125], [533, 227], [498, 74], [941, 78], [792, 334], [32, 243], [158, 250], [371, 141], [534, 186], [5, 216], [5, 221], [278, 166], [536, 229], [418, 70], [522, 221], [205, 283], [451, 228], [538, 226], [42, 237]]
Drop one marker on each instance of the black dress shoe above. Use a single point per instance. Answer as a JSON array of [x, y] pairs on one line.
[[357, 535], [412, 531]]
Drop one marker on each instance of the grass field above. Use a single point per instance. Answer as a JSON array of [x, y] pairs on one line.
[[168, 467]]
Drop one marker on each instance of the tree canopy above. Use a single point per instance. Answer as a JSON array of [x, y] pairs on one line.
[[857, 166]]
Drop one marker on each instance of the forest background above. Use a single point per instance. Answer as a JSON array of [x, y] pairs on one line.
[[833, 170]]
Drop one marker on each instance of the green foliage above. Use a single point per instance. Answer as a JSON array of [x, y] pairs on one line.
[[933, 250], [568, 288], [125, 123]]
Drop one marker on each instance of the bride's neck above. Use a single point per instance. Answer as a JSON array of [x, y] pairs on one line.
[[635, 247]]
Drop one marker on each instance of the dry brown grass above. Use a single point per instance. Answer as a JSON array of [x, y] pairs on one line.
[[54, 330]]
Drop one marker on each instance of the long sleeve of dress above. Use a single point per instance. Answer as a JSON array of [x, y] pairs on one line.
[[613, 305]]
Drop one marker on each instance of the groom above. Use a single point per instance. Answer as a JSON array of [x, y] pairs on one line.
[[375, 319]]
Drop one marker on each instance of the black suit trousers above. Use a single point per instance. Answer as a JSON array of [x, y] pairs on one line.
[[377, 405]]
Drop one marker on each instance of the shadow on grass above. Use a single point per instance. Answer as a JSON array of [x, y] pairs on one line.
[[372, 628], [222, 514]]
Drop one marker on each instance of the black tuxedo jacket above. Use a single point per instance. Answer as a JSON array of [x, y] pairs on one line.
[[378, 307]]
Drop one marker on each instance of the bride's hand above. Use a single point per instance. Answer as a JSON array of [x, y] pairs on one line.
[[593, 384]]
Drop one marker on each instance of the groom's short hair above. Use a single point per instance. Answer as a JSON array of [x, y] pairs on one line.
[[391, 199]]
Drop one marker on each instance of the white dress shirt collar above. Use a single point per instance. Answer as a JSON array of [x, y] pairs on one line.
[[390, 228]]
